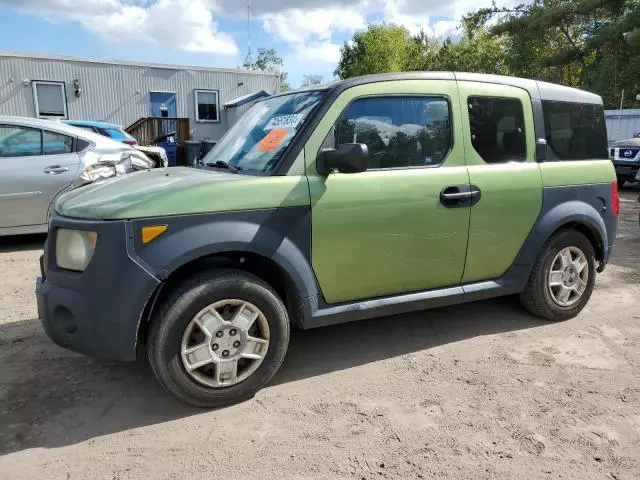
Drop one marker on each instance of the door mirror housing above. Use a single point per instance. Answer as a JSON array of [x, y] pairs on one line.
[[347, 158]]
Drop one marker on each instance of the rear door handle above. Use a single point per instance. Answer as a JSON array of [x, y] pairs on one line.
[[55, 169], [456, 196]]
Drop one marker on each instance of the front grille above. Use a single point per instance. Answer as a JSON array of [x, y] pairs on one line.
[[624, 153]]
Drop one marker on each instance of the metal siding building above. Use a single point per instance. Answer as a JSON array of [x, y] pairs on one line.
[[119, 92], [622, 124]]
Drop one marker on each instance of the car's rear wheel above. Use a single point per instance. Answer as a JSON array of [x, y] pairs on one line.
[[218, 338], [563, 277]]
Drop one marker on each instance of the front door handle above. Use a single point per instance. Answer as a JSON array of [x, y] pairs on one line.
[[456, 196], [55, 169]]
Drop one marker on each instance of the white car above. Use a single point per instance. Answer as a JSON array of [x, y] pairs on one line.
[[39, 159]]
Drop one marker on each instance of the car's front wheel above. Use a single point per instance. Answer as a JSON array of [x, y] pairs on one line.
[[218, 338], [563, 277]]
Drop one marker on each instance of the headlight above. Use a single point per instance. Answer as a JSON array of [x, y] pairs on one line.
[[74, 248]]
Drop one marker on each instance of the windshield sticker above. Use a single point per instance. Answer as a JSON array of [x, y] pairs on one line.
[[284, 121], [271, 141]]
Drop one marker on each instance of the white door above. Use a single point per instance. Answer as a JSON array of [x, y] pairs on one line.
[[34, 166]]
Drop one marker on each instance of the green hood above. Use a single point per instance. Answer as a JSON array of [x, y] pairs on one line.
[[180, 191]]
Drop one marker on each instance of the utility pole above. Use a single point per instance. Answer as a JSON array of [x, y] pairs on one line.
[[620, 111]]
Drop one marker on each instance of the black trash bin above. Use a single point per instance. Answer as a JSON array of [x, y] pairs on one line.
[[181, 158], [206, 146], [192, 150]]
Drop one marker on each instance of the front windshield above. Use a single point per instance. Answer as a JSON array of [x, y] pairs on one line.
[[258, 139]]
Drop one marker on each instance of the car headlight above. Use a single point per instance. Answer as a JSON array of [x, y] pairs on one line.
[[74, 248]]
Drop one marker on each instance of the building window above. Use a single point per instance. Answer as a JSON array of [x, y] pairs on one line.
[[399, 132], [207, 106], [497, 129], [50, 99]]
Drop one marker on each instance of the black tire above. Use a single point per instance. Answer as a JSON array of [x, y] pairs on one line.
[[536, 298], [182, 304], [620, 181]]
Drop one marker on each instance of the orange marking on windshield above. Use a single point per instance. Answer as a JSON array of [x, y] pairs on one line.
[[271, 141]]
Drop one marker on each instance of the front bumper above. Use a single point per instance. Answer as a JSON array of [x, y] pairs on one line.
[[98, 311], [627, 170]]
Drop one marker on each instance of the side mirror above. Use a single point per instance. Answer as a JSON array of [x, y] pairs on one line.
[[347, 158]]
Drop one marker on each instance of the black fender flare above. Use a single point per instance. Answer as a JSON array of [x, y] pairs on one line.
[[557, 217], [282, 235]]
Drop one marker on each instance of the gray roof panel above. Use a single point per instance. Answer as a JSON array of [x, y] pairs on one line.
[[528, 85], [560, 93]]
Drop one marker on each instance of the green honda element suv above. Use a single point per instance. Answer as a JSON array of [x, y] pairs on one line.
[[370, 196]]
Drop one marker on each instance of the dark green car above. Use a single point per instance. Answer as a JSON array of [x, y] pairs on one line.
[[367, 197]]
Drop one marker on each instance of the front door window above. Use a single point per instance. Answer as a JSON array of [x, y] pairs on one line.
[[398, 131]]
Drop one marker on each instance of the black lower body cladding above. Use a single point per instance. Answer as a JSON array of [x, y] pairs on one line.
[[587, 205], [97, 311]]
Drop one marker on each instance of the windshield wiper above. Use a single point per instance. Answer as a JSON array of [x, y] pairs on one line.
[[227, 165]]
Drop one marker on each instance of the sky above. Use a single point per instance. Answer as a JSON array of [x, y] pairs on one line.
[[214, 32]]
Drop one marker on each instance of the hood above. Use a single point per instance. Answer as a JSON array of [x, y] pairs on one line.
[[180, 191], [631, 143]]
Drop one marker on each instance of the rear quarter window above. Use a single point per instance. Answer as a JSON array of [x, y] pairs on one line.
[[574, 131], [82, 144]]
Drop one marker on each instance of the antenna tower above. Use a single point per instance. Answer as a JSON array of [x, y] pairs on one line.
[[249, 62]]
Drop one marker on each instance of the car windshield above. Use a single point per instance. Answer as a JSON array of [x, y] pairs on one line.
[[258, 139]]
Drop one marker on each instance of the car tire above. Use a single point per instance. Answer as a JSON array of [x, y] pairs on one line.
[[620, 181], [550, 278], [181, 315]]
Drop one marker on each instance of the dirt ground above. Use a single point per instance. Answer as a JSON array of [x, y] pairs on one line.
[[475, 391]]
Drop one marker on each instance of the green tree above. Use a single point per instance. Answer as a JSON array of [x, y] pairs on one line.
[[592, 44], [382, 48], [309, 79], [389, 48], [475, 51], [269, 61], [589, 44]]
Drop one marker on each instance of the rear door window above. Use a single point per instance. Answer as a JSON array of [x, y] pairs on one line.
[[574, 131], [54, 143], [497, 129]]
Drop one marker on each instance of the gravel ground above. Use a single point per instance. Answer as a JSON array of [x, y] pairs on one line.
[[468, 392]]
